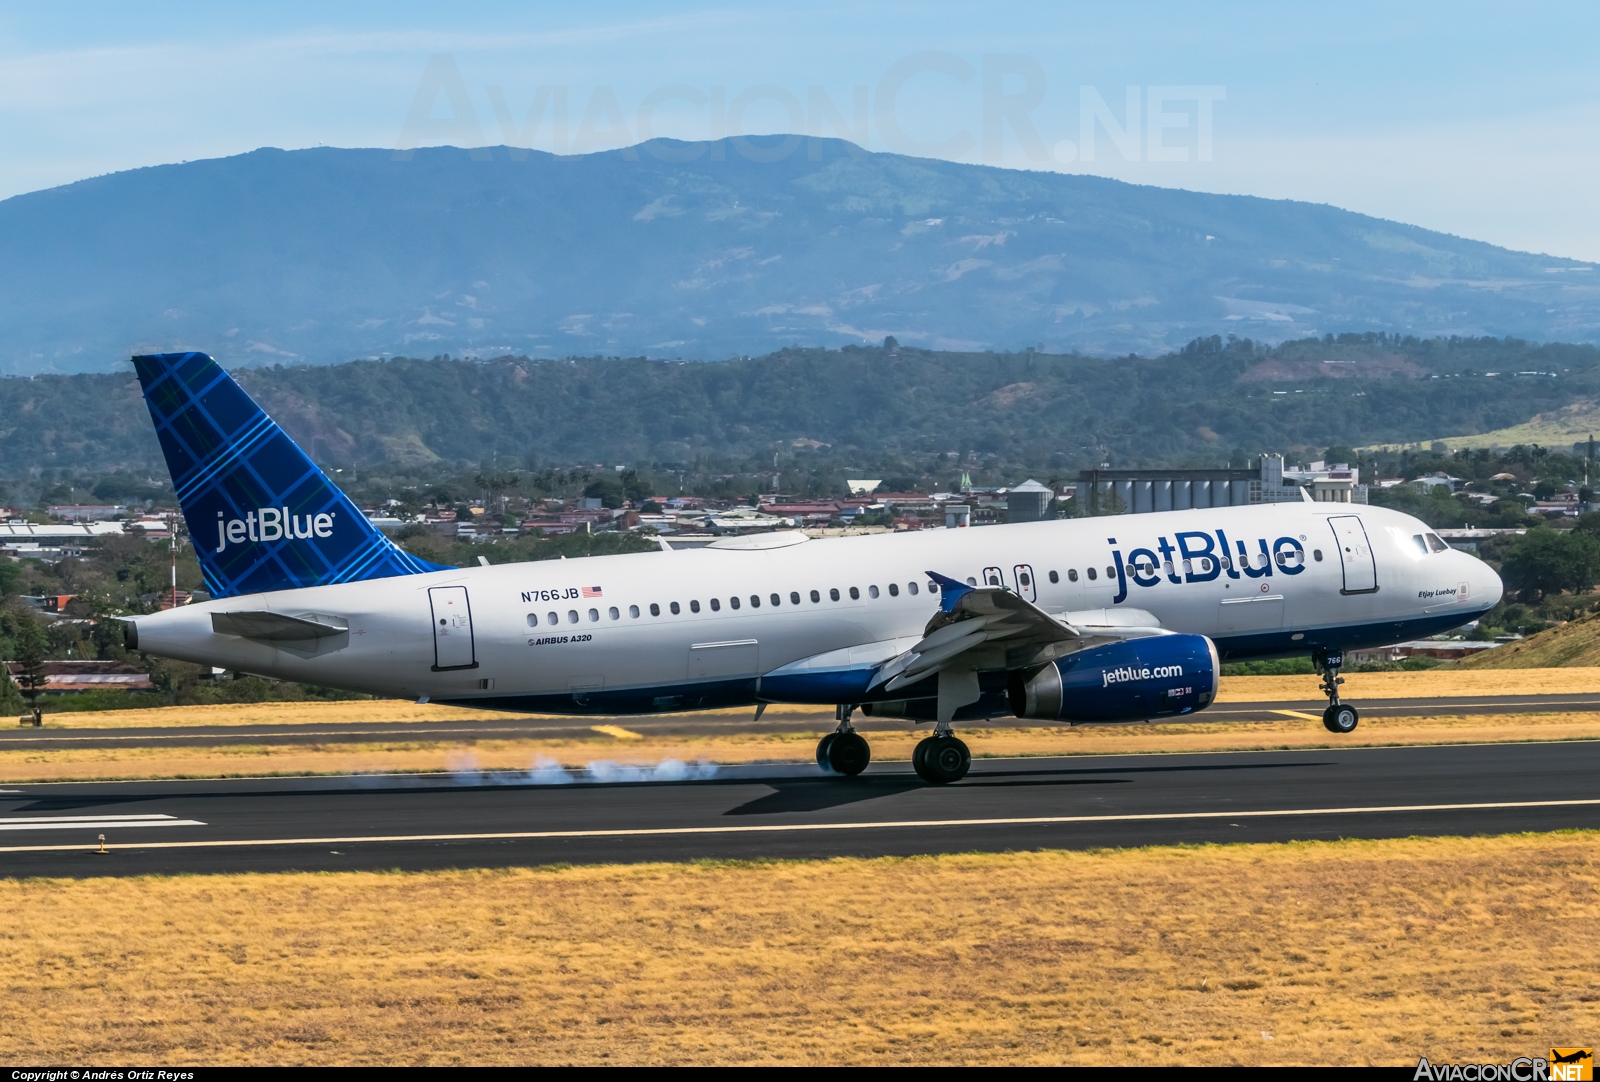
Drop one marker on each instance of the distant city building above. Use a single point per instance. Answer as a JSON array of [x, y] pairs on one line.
[[74, 676], [1132, 492], [1028, 502]]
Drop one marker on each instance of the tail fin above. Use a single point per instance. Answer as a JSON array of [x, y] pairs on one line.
[[261, 515]]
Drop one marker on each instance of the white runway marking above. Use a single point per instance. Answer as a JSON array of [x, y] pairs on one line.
[[796, 828], [93, 822]]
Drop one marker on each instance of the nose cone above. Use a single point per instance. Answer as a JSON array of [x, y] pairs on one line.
[[1487, 589]]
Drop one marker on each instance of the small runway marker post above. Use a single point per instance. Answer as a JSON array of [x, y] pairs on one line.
[[102, 851]]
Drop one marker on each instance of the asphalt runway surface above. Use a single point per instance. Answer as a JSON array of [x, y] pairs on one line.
[[78, 731], [414, 822]]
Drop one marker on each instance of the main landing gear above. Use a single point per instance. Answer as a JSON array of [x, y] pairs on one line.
[[1339, 717], [939, 759], [844, 751]]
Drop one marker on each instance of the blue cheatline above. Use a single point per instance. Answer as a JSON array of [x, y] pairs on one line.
[[261, 515]]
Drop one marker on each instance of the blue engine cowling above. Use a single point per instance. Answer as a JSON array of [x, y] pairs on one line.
[[1123, 681]]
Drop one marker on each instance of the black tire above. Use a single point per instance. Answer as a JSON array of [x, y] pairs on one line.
[[1341, 719], [823, 746], [919, 753], [849, 754], [943, 759]]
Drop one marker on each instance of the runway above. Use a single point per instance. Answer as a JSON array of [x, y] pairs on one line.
[[384, 822], [79, 730]]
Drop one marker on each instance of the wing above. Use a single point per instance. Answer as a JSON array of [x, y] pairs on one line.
[[979, 617]]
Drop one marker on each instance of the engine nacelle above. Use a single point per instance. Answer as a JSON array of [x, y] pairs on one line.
[[1122, 681]]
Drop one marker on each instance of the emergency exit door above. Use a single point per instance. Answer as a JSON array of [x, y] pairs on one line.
[[452, 629], [1355, 554], [1022, 575]]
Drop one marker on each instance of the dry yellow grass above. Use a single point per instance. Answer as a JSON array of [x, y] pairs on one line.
[[1424, 684], [72, 764], [1235, 689], [1331, 953], [353, 712]]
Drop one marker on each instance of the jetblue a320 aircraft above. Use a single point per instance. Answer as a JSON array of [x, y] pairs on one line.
[[1107, 619]]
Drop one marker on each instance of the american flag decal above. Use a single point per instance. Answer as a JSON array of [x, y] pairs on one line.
[[593, 591]]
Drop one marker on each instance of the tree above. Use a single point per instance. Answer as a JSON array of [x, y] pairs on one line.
[[1547, 562], [29, 643]]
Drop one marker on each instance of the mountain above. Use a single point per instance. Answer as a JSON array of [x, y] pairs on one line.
[[321, 255]]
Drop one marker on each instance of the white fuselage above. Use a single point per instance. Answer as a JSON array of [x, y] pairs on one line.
[[573, 634]]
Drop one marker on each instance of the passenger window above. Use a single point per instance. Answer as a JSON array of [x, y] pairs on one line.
[[872, 591], [1436, 543], [533, 619], [855, 594], [1055, 577], [912, 587], [633, 611], [733, 602], [615, 615], [894, 589], [1026, 580], [815, 597], [1226, 563], [572, 616], [776, 600], [673, 607], [716, 605], [1283, 561], [834, 593], [794, 597], [1092, 575], [1422, 546], [552, 618], [933, 587], [971, 581], [1072, 574], [1111, 572], [1316, 554], [694, 606], [655, 610], [755, 601], [594, 615]]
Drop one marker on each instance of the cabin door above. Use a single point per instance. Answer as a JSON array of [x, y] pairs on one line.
[[1355, 554], [452, 629]]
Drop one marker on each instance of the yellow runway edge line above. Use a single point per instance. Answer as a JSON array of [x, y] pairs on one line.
[[795, 827]]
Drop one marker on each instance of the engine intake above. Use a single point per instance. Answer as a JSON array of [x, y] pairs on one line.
[[1122, 681]]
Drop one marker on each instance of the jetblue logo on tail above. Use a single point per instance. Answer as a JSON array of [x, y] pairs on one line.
[[272, 524], [280, 522]]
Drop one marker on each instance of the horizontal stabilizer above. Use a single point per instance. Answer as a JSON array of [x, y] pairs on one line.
[[277, 626]]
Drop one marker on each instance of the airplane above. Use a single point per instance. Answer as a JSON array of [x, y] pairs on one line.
[[1074, 620]]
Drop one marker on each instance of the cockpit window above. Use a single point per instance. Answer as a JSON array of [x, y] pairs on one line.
[[1422, 546], [1436, 543]]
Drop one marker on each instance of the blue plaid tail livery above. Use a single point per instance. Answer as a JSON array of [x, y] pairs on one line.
[[261, 515]]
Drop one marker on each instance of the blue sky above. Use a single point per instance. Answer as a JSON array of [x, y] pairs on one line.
[[1476, 119]]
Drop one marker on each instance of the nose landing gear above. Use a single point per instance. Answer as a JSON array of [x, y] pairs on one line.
[[1339, 717], [844, 751]]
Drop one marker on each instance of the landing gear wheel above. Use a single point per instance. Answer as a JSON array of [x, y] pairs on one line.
[[941, 760], [849, 754], [1341, 718], [823, 746]]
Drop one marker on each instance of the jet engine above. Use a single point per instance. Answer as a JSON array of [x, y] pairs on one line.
[[1122, 681]]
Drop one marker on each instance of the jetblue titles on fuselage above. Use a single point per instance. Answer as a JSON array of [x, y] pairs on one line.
[[1201, 557]]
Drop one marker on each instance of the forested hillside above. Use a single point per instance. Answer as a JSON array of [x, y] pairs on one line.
[[860, 407]]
